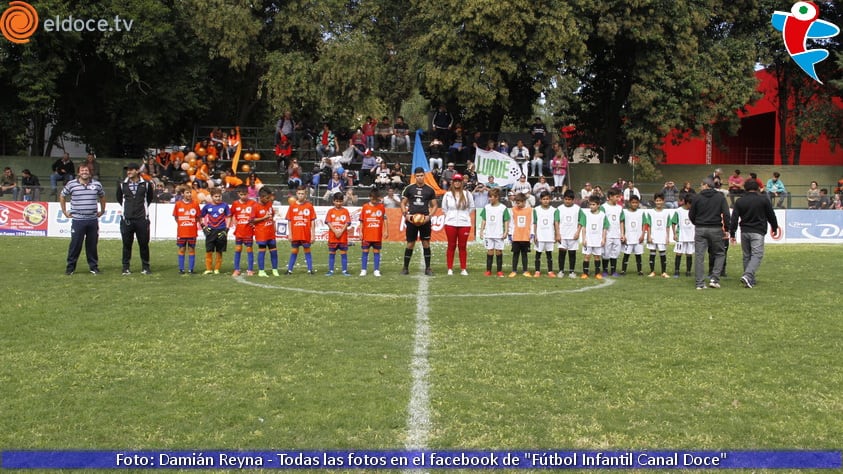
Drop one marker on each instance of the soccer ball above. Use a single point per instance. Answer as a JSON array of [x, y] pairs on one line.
[[417, 219]]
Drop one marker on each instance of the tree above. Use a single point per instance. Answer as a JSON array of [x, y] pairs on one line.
[[489, 59], [658, 66]]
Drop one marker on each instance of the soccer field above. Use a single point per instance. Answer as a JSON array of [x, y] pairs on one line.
[[308, 362]]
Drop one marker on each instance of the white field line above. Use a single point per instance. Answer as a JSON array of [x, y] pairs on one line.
[[418, 408]]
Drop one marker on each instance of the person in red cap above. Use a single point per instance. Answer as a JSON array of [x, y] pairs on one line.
[[457, 205]]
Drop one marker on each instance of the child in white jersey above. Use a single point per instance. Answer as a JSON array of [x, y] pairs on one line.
[[545, 232], [614, 236], [683, 231], [658, 234], [634, 235], [595, 225], [494, 225]]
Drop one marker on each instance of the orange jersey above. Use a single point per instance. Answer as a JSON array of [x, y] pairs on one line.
[[265, 229], [300, 219], [338, 218], [522, 223], [372, 221], [187, 215], [243, 212]]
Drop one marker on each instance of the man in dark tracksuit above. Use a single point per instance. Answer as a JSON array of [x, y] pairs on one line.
[[135, 194], [710, 215], [753, 212]]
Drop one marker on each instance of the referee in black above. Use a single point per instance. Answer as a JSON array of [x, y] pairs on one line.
[[418, 198], [135, 194]]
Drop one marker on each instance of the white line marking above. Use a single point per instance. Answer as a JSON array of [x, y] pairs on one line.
[[260, 284], [418, 408]]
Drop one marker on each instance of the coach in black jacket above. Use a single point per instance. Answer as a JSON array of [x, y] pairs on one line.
[[135, 194], [752, 213], [710, 215]]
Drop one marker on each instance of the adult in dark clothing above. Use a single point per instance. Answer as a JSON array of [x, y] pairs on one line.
[[135, 194], [710, 215], [63, 170], [752, 212], [442, 123]]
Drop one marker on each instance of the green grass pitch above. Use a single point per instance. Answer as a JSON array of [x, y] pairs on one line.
[[214, 362]]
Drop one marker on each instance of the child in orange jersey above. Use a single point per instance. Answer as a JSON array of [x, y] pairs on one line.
[[242, 211], [188, 221], [521, 223], [301, 222], [373, 231], [338, 221], [263, 220]]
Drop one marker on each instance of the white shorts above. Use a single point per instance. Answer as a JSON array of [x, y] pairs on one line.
[[596, 251], [493, 244], [612, 248], [544, 246], [684, 248], [658, 247], [569, 244], [636, 249]]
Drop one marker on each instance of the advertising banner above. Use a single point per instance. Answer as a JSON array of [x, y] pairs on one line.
[[23, 218]]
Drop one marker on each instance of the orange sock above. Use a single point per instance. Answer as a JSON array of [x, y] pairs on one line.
[[209, 260]]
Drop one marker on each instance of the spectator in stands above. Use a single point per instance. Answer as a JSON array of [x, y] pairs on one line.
[[837, 202], [93, 166], [400, 134], [286, 126], [490, 182], [735, 186], [350, 199], [470, 175], [382, 174], [397, 174], [335, 185], [367, 169], [686, 189], [369, 131], [232, 141], [150, 170], [585, 193], [481, 195], [522, 186], [521, 155], [435, 160], [776, 190], [541, 186], [253, 185], [294, 175], [447, 176], [538, 131], [30, 186], [9, 183], [326, 142], [458, 148], [502, 147], [813, 196], [598, 192], [630, 191], [755, 177], [390, 199], [559, 168], [442, 123], [718, 181], [478, 142], [283, 151], [383, 132], [671, 195], [537, 160], [619, 184], [825, 202], [63, 170]]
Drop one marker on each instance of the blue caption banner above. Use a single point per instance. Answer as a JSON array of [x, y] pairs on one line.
[[428, 459]]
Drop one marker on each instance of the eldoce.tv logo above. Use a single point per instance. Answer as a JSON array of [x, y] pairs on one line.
[[20, 21]]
